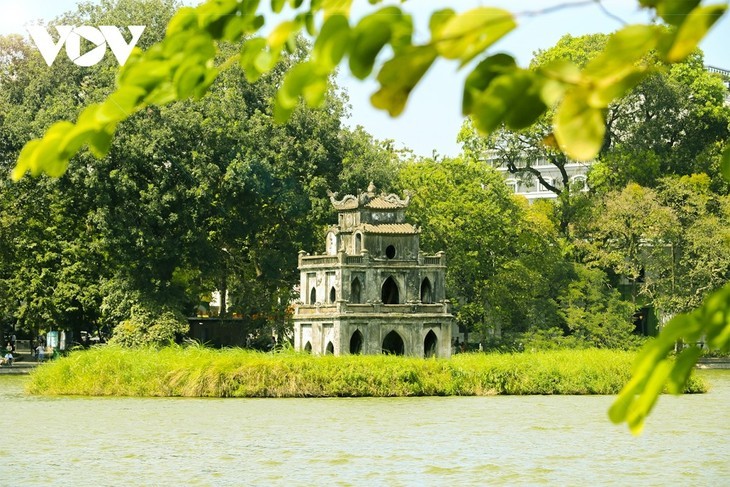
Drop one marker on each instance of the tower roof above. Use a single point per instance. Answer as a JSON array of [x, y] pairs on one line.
[[370, 200], [391, 228]]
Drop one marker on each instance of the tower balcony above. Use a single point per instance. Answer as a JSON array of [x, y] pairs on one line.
[[364, 259], [345, 308]]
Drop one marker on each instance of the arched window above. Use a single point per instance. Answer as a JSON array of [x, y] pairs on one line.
[[330, 350], [355, 289], [390, 291], [358, 243], [390, 251], [393, 344], [333, 295], [579, 183], [429, 344], [308, 348], [542, 188], [313, 295], [426, 292], [356, 343]]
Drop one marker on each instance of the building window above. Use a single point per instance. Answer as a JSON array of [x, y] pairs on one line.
[[390, 291], [579, 183], [393, 344], [426, 292], [541, 188], [313, 295], [512, 185], [429, 344], [358, 243], [355, 289], [356, 343], [330, 350], [308, 348], [333, 295], [390, 251], [331, 244]]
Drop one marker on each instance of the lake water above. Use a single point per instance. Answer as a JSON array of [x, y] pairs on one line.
[[566, 440]]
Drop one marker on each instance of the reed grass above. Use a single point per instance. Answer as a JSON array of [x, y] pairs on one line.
[[203, 372]]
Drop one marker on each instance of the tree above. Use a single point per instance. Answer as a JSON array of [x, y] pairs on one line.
[[674, 122], [594, 311], [190, 197], [505, 264], [466, 211], [632, 233], [496, 90], [700, 253]]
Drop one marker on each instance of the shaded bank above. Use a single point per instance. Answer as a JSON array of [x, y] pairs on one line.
[[202, 372]]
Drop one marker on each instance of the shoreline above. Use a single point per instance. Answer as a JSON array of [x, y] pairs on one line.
[[708, 363], [202, 372]]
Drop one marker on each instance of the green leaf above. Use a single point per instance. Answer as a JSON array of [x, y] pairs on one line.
[[47, 157], [579, 128], [185, 19], [202, 87], [482, 75], [399, 76], [336, 7], [618, 68], [332, 42], [304, 79], [145, 74], [644, 403], [623, 50], [368, 38], [512, 98], [562, 70], [281, 34], [27, 160], [608, 90], [77, 136], [438, 20], [682, 369], [620, 408], [235, 28], [692, 30], [256, 59], [277, 5], [673, 12], [120, 104], [214, 15], [187, 77], [470, 33], [558, 75], [100, 142]]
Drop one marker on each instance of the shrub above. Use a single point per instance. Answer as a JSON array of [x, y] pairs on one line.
[[150, 327]]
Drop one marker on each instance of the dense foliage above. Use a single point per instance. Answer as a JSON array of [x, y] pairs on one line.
[[190, 198]]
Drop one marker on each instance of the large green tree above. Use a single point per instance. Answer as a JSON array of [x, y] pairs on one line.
[[190, 198]]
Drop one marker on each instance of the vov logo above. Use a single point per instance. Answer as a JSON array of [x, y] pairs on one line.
[[71, 35]]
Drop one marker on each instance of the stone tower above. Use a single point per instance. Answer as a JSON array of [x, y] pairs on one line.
[[373, 291]]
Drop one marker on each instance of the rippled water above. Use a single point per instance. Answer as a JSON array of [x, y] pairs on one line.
[[565, 440]]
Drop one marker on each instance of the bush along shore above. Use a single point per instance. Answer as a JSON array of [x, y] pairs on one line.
[[203, 372]]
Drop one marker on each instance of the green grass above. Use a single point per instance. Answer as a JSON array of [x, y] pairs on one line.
[[203, 372]]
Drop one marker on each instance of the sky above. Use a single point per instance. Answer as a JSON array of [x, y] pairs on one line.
[[432, 118]]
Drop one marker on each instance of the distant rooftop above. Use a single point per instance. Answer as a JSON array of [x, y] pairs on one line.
[[723, 72]]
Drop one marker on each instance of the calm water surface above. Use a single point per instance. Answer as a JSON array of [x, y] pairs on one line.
[[564, 440]]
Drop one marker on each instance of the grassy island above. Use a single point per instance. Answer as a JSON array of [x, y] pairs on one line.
[[203, 372]]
